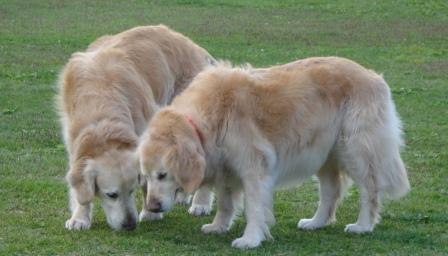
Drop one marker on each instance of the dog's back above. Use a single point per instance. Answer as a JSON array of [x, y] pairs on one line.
[[167, 60]]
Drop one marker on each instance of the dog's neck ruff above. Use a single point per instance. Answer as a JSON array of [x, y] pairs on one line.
[[196, 129]]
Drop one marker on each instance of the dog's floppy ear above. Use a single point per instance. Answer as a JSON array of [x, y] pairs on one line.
[[187, 165], [92, 142], [81, 181]]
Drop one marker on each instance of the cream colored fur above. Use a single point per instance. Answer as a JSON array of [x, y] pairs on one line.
[[106, 97], [249, 131]]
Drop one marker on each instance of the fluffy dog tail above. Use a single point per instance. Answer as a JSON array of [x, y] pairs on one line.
[[393, 179], [398, 183], [374, 140]]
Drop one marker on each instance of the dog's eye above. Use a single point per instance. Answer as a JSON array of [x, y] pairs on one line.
[[112, 195], [161, 176]]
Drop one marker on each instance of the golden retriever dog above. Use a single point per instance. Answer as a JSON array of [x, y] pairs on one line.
[[106, 98], [248, 131]]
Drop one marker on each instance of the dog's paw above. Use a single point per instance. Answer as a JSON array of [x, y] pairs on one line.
[[183, 199], [77, 224], [149, 216], [310, 224], [214, 229], [358, 229], [200, 210], [246, 243]]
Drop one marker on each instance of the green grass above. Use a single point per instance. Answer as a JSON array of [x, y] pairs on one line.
[[405, 40]]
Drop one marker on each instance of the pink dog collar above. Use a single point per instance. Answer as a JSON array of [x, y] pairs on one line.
[[195, 127]]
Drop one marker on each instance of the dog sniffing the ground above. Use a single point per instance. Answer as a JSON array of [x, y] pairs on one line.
[[106, 97], [248, 131]]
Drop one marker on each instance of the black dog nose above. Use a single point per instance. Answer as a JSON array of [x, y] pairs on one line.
[[130, 224], [155, 207]]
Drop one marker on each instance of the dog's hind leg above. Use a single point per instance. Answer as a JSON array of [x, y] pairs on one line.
[[332, 186], [202, 202], [81, 214], [363, 165], [369, 212]]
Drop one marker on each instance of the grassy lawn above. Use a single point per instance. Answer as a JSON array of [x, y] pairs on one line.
[[406, 40]]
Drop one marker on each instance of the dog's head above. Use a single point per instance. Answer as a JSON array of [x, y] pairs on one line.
[[171, 159], [105, 165]]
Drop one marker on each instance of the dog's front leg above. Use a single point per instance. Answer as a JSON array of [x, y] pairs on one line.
[[81, 214], [227, 200], [202, 202], [183, 198], [258, 197]]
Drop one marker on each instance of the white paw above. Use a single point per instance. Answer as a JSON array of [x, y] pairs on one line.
[[355, 228], [212, 228], [246, 243], [77, 224], [149, 216], [200, 210], [183, 199], [309, 224]]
